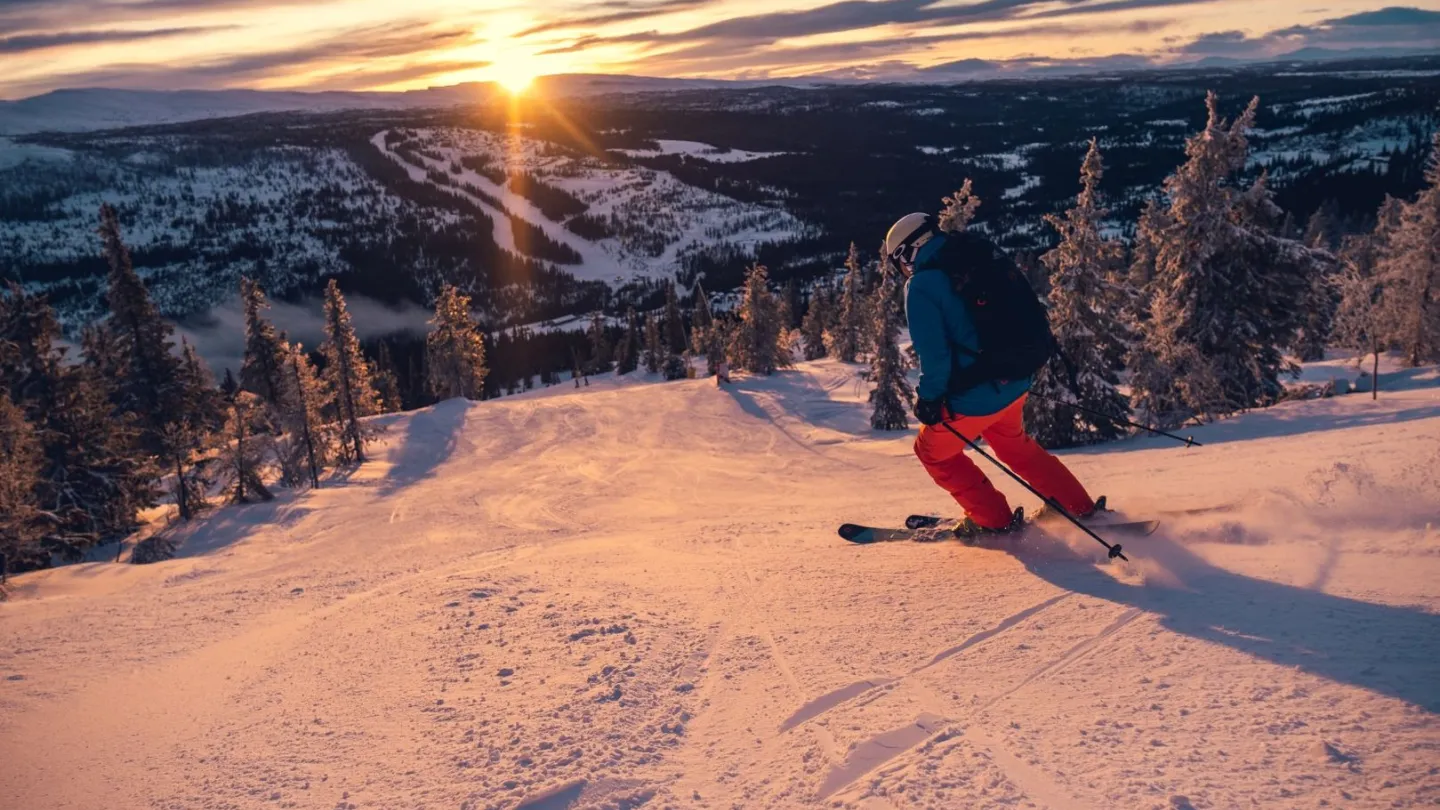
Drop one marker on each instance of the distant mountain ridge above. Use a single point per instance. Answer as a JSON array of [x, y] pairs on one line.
[[89, 109], [97, 108]]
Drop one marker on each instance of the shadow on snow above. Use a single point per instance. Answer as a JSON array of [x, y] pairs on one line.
[[1390, 650], [430, 439]]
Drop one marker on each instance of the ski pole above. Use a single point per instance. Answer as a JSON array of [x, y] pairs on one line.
[[1188, 440], [1052, 503]]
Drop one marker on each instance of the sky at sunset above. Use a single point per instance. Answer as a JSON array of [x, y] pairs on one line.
[[388, 45]]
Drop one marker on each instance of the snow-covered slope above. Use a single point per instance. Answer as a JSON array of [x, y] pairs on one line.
[[632, 595]]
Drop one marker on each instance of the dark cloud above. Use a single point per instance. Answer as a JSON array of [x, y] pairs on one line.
[[1112, 6], [381, 50], [1392, 15], [857, 15], [1393, 27], [377, 42], [621, 12], [752, 56], [59, 39], [365, 79]]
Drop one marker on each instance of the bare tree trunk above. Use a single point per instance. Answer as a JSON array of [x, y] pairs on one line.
[[310, 455], [182, 494], [1375, 377], [239, 456]]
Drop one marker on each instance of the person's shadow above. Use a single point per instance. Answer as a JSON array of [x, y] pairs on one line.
[[1391, 650]]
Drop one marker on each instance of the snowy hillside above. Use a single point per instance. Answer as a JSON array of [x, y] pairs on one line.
[[632, 595]]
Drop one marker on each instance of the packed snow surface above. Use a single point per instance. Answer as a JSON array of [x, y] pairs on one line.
[[631, 595]]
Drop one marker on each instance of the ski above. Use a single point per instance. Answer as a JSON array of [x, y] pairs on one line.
[[1141, 528], [933, 533]]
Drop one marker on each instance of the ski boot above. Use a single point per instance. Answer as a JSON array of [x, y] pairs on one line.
[[1047, 512], [971, 533]]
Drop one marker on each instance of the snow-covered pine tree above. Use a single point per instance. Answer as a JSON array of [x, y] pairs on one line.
[[148, 384], [1410, 270], [704, 338], [311, 442], [1088, 299], [262, 372], [1153, 223], [207, 400], [755, 345], [455, 349], [246, 445], [700, 315], [846, 336], [347, 373], [674, 323], [627, 351], [817, 317], [1322, 293], [791, 305], [22, 523], [959, 209], [892, 394], [1226, 288], [654, 351], [387, 383], [1360, 323], [600, 349]]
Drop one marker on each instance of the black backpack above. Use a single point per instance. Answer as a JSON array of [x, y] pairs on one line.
[[1012, 324]]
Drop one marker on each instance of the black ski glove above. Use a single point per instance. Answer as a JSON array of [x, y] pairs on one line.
[[930, 411]]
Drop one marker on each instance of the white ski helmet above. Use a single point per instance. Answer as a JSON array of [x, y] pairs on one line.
[[906, 236]]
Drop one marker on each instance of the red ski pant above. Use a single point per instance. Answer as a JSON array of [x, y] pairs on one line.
[[943, 455]]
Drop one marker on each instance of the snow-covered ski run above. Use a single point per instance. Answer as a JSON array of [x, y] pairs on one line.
[[632, 596]]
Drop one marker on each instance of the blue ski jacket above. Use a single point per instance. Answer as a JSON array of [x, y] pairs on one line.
[[938, 320]]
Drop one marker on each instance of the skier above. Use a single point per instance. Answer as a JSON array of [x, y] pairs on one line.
[[974, 397]]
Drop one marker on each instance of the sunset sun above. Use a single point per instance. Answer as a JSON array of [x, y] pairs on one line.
[[515, 76]]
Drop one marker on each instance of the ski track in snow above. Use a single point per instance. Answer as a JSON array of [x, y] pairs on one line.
[[631, 595]]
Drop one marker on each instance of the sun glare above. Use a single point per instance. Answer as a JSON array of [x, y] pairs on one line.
[[515, 78]]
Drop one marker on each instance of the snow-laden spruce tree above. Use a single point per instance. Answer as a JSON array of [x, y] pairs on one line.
[[148, 380], [1226, 288], [705, 337], [627, 350], [654, 354], [243, 453], [387, 381], [1360, 323], [309, 441], [262, 372], [347, 373], [600, 349], [94, 477], [674, 322], [1410, 271], [846, 336], [1322, 293], [455, 349], [959, 209], [22, 522], [700, 315], [1089, 299], [817, 317], [890, 399], [207, 402], [755, 345]]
